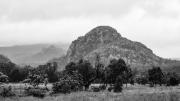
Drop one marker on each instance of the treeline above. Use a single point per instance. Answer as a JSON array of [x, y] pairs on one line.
[[80, 75], [155, 76], [17, 74]]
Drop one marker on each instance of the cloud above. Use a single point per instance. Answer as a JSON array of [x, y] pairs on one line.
[[152, 22], [17, 10]]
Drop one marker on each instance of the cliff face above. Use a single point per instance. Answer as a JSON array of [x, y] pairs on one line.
[[108, 44]]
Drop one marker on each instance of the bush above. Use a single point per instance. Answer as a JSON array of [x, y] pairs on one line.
[[67, 83], [110, 88], [61, 87], [102, 87], [36, 92], [7, 92], [142, 80], [3, 78], [95, 89]]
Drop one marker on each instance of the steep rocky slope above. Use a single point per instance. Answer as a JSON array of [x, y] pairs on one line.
[[108, 44]]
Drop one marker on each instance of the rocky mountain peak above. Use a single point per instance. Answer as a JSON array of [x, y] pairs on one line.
[[97, 37], [108, 44], [104, 30], [103, 34]]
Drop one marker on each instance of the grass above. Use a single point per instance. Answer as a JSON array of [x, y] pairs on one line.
[[132, 93], [103, 96]]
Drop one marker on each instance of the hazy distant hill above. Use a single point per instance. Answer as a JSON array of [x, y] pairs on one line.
[[33, 54], [44, 55], [109, 44], [4, 59]]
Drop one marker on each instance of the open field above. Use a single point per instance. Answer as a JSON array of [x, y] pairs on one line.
[[131, 93]]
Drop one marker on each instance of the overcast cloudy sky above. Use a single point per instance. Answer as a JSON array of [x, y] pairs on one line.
[[156, 23]]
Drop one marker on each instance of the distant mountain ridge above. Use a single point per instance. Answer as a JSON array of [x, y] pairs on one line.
[[34, 54], [108, 44], [44, 55], [4, 59]]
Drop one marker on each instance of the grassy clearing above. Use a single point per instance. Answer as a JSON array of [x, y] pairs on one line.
[[103, 96], [131, 93]]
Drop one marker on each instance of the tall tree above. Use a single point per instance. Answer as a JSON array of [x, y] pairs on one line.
[[116, 68], [155, 75], [87, 71]]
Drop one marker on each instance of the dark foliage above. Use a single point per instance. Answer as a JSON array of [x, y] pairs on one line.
[[102, 87], [7, 92], [142, 80], [14, 72], [118, 68], [71, 67], [36, 92], [155, 75], [68, 83], [118, 84], [3, 78], [49, 69], [87, 71], [6, 68], [61, 87], [95, 89], [110, 88], [172, 79]]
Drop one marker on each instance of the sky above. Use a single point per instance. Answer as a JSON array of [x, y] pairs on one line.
[[155, 23]]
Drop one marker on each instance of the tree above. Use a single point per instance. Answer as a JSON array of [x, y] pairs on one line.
[[172, 79], [87, 71], [142, 79], [117, 73], [70, 67], [15, 75], [116, 68], [68, 82], [155, 76], [118, 84], [6, 68], [99, 70], [50, 70], [35, 79]]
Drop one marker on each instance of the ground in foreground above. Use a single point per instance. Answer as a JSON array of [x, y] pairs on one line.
[[134, 93]]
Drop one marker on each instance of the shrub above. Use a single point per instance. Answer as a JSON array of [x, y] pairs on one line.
[[7, 92], [95, 89], [36, 92], [61, 87], [102, 87], [142, 80], [68, 83], [110, 88], [3, 78]]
